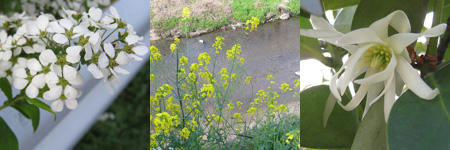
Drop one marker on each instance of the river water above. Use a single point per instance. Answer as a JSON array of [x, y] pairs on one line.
[[272, 49]]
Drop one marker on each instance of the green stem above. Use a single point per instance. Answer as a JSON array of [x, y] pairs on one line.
[[437, 18]]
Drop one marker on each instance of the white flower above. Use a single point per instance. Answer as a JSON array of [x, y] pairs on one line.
[[73, 54], [383, 60], [60, 38], [140, 50], [95, 14], [5, 45]]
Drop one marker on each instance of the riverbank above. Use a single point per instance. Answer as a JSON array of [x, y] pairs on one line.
[[214, 15]]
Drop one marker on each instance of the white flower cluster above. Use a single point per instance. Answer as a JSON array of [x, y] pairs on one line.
[[41, 56], [57, 7]]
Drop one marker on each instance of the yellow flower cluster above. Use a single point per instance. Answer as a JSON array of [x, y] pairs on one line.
[[251, 24], [164, 123], [203, 59], [218, 44], [207, 90], [234, 52], [183, 60], [173, 47], [237, 117], [185, 132], [186, 13], [285, 87], [248, 79], [155, 55]]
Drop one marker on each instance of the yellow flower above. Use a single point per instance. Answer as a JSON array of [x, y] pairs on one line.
[[203, 59], [173, 47], [183, 61], [269, 77], [234, 52], [285, 87], [242, 60], [176, 41], [194, 67], [251, 110], [218, 43], [248, 79], [230, 106], [186, 13], [282, 108], [185, 133], [238, 103], [207, 90], [251, 24], [152, 76], [192, 76], [237, 117], [154, 54]]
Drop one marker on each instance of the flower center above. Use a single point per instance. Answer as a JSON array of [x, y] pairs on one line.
[[377, 57]]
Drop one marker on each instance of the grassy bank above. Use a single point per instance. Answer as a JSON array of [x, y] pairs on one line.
[[211, 15]]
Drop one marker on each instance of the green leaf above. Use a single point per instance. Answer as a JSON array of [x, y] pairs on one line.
[[369, 11], [29, 111], [417, 124], [6, 88], [42, 105], [341, 126], [8, 140], [344, 19], [371, 134], [335, 4]]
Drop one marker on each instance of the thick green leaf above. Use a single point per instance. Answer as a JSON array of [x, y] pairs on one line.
[[417, 124], [29, 111], [42, 105], [371, 134], [341, 126], [6, 88], [344, 19], [335, 4], [8, 140], [369, 11]]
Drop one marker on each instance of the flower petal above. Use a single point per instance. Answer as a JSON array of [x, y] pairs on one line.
[[38, 81], [51, 78], [34, 65], [372, 94], [400, 41], [109, 49], [71, 103], [413, 81], [356, 100], [103, 60], [60, 38], [389, 100], [42, 22], [95, 13], [54, 93], [20, 83], [364, 35], [32, 91], [95, 71], [122, 58], [435, 31], [351, 71], [69, 73], [70, 92], [47, 56], [57, 106], [140, 50]]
